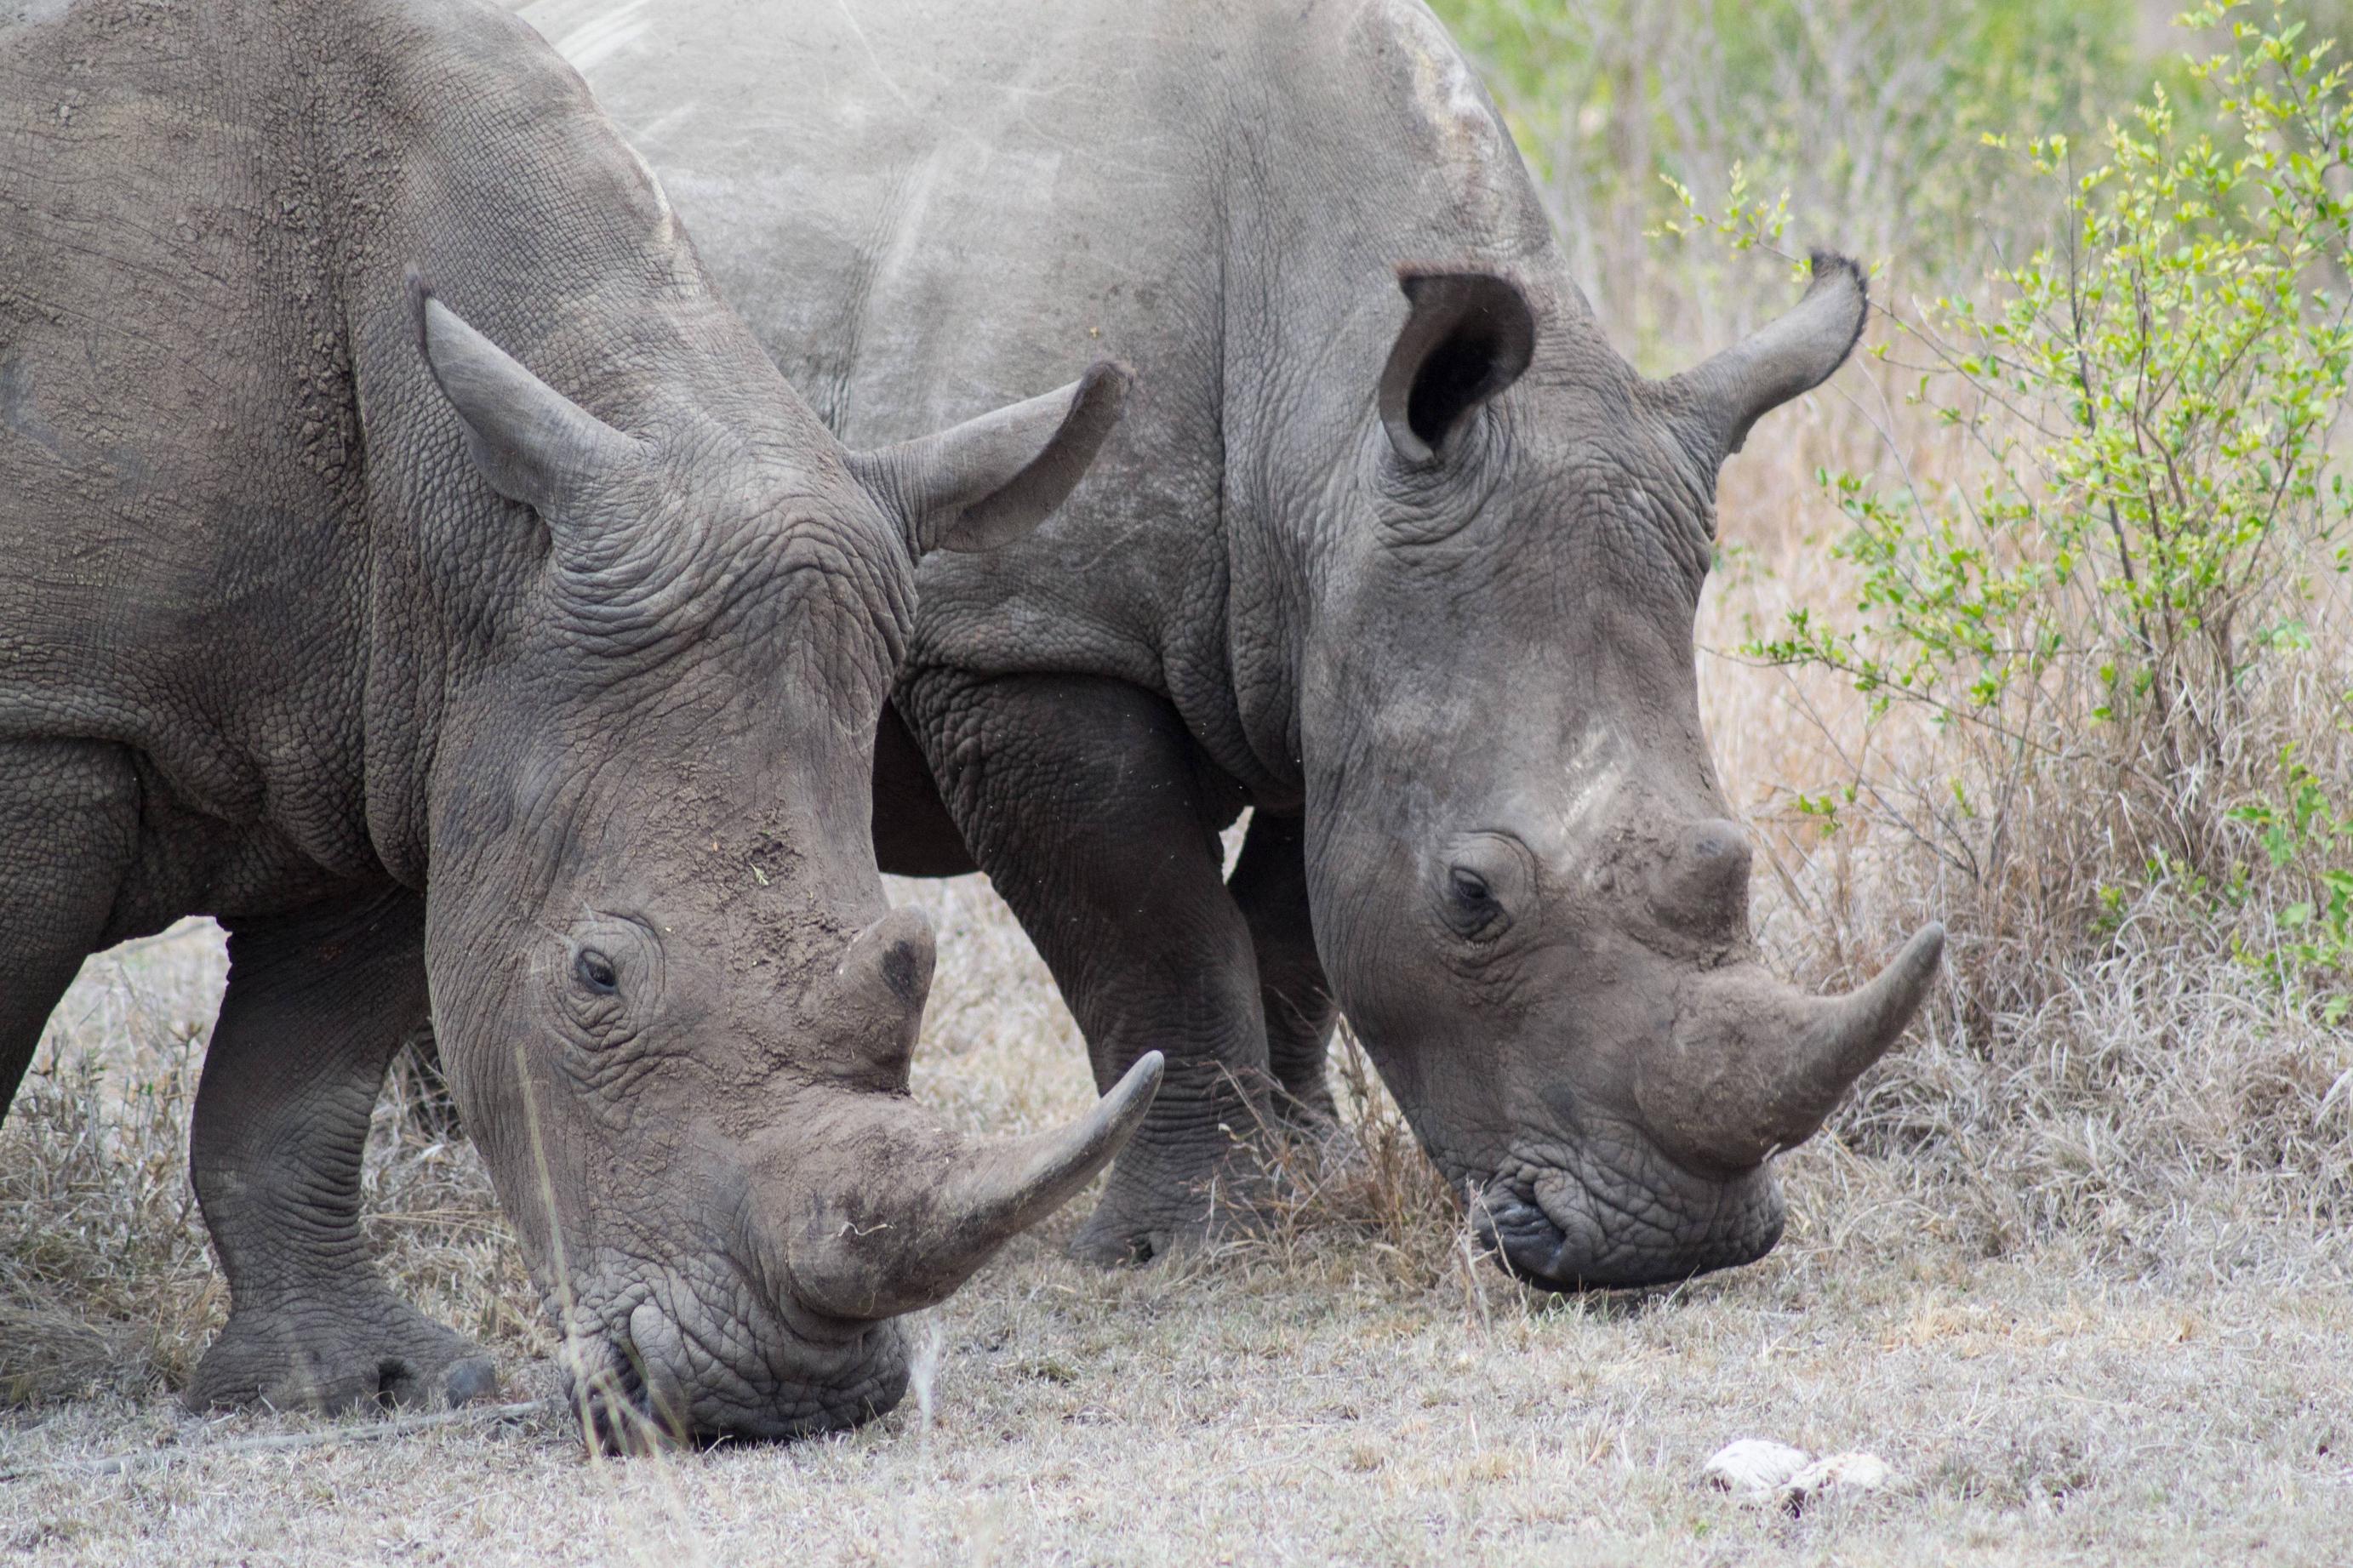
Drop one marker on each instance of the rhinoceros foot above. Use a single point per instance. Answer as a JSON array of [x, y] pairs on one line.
[[335, 1356], [1164, 1201], [1123, 1233]]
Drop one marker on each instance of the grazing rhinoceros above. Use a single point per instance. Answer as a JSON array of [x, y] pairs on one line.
[[323, 614], [1408, 570]]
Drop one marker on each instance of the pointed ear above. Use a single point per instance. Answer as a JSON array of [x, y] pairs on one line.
[[1467, 337], [1713, 405], [989, 480], [534, 444]]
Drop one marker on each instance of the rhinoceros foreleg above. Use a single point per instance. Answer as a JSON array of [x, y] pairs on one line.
[[68, 829], [316, 1003], [1269, 885], [1088, 805]]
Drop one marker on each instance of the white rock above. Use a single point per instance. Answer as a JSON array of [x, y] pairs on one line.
[[1850, 1472], [1759, 1470], [1755, 1467]]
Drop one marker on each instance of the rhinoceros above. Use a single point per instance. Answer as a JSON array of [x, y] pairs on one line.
[[412, 562], [1393, 548]]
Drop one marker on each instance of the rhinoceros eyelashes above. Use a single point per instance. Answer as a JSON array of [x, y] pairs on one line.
[[1471, 909], [596, 972], [584, 969], [1486, 877]]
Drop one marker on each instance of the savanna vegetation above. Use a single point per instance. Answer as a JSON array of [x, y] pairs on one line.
[[2038, 620]]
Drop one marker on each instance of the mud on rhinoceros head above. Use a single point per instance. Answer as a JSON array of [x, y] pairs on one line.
[[1526, 887], [676, 1008]]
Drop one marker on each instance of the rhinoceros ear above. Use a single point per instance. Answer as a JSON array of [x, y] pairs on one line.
[[1467, 337], [534, 444], [989, 480], [1713, 405]]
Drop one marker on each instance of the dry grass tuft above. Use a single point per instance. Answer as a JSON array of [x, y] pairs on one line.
[[1361, 1186], [106, 1281]]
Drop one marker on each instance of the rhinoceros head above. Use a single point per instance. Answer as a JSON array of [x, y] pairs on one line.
[[1525, 883], [676, 1007]]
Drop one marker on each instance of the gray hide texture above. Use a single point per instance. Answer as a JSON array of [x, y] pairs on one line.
[[1393, 548], [412, 563]]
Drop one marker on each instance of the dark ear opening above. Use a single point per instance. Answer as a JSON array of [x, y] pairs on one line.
[[989, 480], [1715, 406], [1467, 337], [534, 444]]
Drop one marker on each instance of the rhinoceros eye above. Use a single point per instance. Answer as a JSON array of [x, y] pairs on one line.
[[1472, 907], [1479, 884], [596, 972]]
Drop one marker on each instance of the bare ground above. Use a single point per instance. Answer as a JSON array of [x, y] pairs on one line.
[[1317, 1415]]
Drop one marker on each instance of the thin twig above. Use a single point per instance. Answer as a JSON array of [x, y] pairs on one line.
[[347, 1432]]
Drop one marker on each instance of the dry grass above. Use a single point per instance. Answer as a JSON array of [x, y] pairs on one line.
[[2117, 1075], [1274, 1415], [2069, 1349], [106, 1284]]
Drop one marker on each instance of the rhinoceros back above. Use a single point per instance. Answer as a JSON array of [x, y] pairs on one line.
[[212, 414], [926, 207]]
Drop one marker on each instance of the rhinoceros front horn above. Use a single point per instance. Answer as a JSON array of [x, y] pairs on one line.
[[925, 1207], [1755, 1066]]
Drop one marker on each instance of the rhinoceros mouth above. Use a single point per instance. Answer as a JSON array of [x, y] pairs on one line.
[[1611, 1212], [604, 1385], [643, 1379]]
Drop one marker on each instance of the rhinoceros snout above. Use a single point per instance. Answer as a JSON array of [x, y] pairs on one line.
[[647, 1382], [1617, 1215]]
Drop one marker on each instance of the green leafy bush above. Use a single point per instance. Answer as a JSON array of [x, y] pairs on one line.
[[2147, 518], [2307, 835]]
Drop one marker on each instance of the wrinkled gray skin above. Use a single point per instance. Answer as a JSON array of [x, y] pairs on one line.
[[324, 616], [1410, 570]]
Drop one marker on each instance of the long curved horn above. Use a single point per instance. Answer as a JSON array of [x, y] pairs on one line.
[[929, 1207], [1855, 1030], [1755, 1066]]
